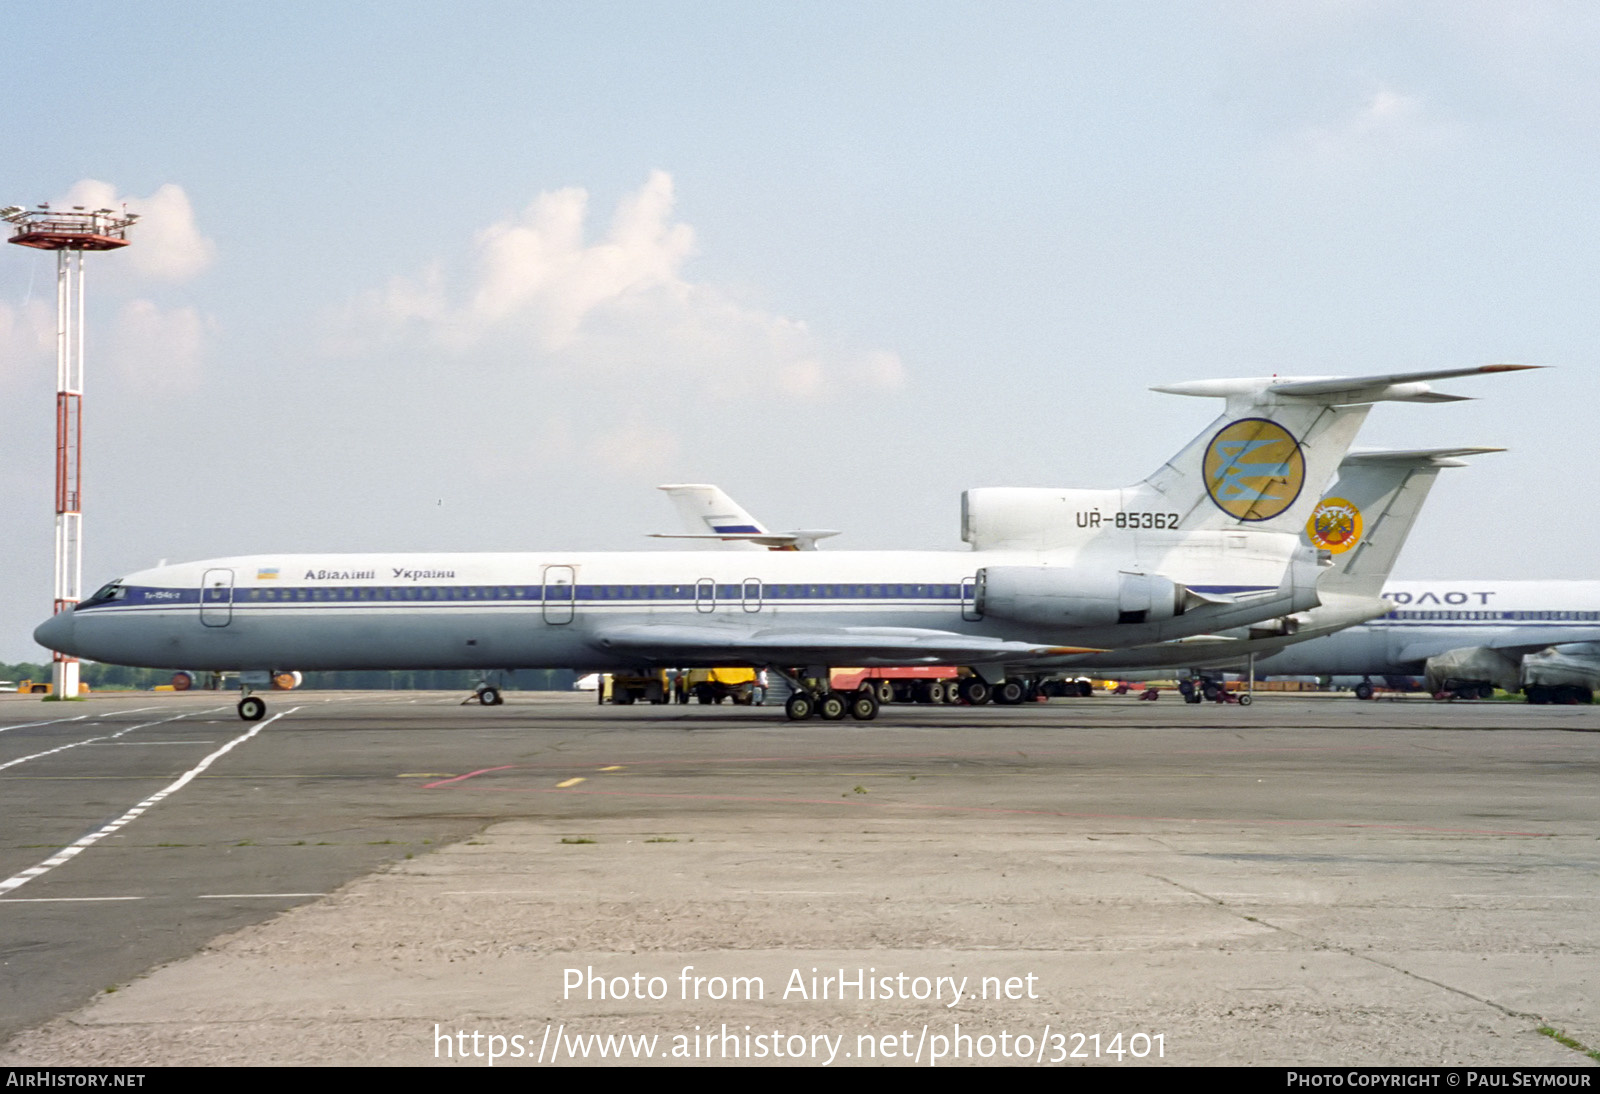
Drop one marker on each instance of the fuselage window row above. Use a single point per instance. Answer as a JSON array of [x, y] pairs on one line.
[[1545, 616], [460, 593]]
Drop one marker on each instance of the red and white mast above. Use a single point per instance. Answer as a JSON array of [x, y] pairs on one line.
[[69, 234]]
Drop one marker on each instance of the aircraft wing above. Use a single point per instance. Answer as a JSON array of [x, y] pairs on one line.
[[1518, 641], [670, 643]]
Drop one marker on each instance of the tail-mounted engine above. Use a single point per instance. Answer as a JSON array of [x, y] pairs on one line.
[[1065, 596]]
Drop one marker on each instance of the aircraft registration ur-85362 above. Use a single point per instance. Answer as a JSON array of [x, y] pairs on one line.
[[1207, 542]]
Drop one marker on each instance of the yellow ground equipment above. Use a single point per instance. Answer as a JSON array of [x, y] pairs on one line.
[[717, 685]]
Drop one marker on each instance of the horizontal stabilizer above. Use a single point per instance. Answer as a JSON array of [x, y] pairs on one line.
[[799, 540], [1427, 457], [1431, 397], [1339, 390], [1346, 385]]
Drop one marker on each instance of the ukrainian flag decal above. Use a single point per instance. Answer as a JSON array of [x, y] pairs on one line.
[[268, 573]]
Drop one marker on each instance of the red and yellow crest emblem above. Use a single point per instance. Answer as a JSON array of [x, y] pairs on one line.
[[1335, 525]]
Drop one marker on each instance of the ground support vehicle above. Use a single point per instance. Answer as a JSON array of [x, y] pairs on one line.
[[918, 684], [742, 686], [624, 688]]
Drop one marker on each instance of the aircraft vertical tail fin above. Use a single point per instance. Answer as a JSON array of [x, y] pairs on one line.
[[707, 508], [1263, 463], [1364, 518], [707, 512]]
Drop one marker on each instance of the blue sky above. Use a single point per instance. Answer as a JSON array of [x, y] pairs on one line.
[[479, 276]]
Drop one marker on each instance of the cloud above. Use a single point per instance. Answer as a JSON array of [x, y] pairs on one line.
[[538, 293], [149, 343], [158, 347], [1386, 122], [539, 267], [634, 446], [166, 242], [27, 342]]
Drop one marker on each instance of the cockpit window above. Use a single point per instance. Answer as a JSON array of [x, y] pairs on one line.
[[113, 591]]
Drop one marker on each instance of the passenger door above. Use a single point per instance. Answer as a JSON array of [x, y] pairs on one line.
[[216, 598], [560, 598]]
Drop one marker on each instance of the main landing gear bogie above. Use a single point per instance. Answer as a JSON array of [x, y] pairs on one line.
[[974, 691], [833, 706], [1450, 691], [1009, 693], [1541, 694], [1210, 691]]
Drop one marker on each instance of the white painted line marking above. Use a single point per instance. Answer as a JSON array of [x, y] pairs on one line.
[[519, 892], [67, 854], [62, 899], [51, 722], [186, 744], [251, 896], [79, 718], [90, 741]]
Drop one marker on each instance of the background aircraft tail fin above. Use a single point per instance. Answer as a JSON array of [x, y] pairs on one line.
[[707, 512], [1366, 515], [707, 508]]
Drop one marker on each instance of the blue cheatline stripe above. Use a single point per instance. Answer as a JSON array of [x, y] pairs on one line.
[[683, 592], [1586, 625], [687, 592], [736, 528]]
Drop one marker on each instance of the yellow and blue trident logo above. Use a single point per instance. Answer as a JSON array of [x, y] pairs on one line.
[[1254, 469]]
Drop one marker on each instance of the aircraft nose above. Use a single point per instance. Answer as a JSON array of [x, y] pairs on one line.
[[55, 633]]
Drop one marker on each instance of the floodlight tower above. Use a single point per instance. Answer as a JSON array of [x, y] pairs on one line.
[[69, 234]]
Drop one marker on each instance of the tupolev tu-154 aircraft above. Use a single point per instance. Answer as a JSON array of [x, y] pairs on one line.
[[1362, 521], [1207, 542]]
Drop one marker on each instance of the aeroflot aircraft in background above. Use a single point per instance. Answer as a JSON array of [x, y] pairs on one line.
[[1208, 542], [1468, 638]]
